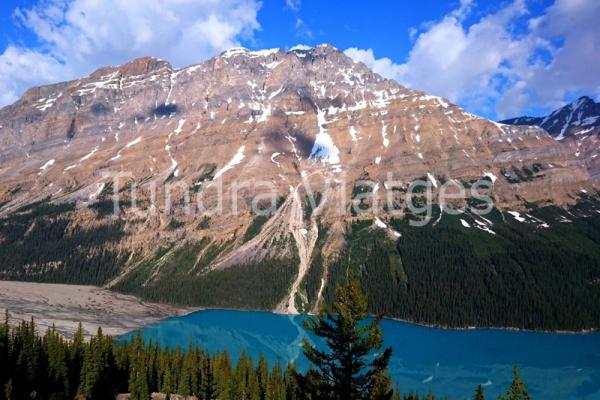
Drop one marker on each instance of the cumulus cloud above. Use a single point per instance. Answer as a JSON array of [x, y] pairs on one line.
[[494, 68], [77, 36], [383, 66], [19, 68], [575, 64]]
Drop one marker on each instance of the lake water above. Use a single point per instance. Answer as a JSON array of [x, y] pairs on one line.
[[445, 362]]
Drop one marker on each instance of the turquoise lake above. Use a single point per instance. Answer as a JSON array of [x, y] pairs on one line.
[[445, 362]]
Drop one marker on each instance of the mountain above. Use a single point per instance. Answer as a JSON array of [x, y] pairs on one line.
[[318, 137], [577, 124], [578, 118]]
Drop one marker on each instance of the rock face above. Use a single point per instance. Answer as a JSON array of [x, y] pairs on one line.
[[247, 121], [577, 124]]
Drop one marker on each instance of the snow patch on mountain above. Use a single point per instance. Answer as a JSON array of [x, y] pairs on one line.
[[490, 175], [179, 126], [48, 163], [386, 141], [324, 149], [89, 155], [353, 133], [432, 179], [249, 53], [98, 190], [517, 216], [273, 156], [380, 223], [133, 142], [237, 158], [300, 47]]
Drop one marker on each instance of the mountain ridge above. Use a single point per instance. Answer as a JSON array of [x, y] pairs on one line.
[[577, 124], [560, 122]]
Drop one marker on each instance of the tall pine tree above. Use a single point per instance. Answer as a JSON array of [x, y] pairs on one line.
[[138, 370], [517, 389], [354, 365], [479, 393]]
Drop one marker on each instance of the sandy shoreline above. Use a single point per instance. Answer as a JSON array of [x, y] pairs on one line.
[[67, 305]]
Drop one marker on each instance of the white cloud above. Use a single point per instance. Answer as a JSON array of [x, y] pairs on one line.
[[303, 30], [575, 65], [78, 36], [490, 68], [300, 47], [293, 4], [22, 68], [383, 66]]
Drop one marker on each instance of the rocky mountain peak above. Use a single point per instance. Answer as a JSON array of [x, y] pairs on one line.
[[577, 124], [284, 114], [577, 118], [582, 102], [139, 66]]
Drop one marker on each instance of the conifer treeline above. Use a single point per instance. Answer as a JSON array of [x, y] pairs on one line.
[[51, 367]]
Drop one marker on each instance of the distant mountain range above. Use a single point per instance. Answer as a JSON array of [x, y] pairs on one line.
[[577, 124], [302, 122], [581, 117]]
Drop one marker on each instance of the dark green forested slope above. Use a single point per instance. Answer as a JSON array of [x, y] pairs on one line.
[[524, 276], [184, 278], [36, 244]]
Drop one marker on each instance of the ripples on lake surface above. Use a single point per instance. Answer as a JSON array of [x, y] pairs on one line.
[[445, 362]]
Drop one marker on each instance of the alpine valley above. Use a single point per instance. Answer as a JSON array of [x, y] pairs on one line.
[[327, 135]]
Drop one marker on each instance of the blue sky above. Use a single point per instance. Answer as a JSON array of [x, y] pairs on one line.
[[494, 59]]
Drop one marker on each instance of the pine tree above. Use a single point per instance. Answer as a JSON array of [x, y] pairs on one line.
[[253, 388], [245, 383], [121, 362], [76, 352], [276, 388], [479, 393], [382, 387], [185, 375], [195, 370], [262, 372], [397, 394], [153, 359], [91, 369], [176, 366], [167, 383], [29, 372], [517, 389], [57, 369], [138, 378], [208, 388], [222, 368], [291, 382], [4, 348], [344, 371], [109, 376]]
